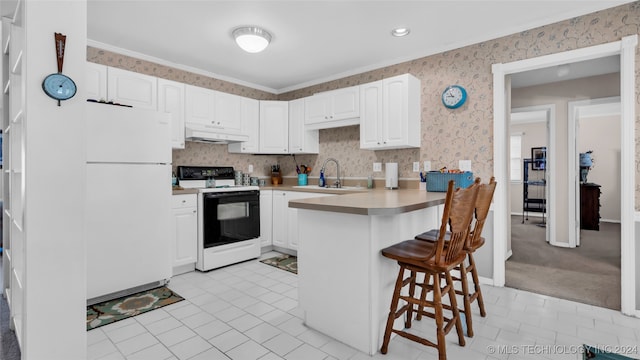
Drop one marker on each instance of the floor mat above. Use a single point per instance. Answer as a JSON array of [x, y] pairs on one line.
[[284, 262], [127, 306]]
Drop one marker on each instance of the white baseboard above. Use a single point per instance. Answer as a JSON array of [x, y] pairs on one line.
[[509, 254], [485, 281]]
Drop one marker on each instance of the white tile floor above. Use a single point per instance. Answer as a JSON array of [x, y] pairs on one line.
[[249, 311]]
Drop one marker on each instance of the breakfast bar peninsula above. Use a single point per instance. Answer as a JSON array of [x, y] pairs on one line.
[[344, 283]]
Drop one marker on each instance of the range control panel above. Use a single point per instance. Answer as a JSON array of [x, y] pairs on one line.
[[205, 172]]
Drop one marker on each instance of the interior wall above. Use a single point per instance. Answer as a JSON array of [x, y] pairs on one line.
[[447, 135], [560, 93], [602, 136]]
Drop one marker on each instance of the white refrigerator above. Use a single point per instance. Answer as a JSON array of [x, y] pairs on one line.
[[128, 194]]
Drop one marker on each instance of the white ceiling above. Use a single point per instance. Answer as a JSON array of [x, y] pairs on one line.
[[313, 41]]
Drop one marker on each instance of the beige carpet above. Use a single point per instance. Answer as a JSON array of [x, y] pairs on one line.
[[588, 274]]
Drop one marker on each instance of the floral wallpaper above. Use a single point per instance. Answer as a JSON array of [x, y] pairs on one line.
[[447, 135]]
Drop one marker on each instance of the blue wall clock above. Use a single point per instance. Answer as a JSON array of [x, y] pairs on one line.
[[454, 96]]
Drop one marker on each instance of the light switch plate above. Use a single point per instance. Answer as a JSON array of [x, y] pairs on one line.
[[416, 166], [377, 167], [427, 165], [464, 165], [250, 170]]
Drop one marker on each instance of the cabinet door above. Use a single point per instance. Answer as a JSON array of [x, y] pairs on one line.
[[266, 217], [395, 117], [280, 230], [96, 81], [171, 100], [317, 109], [199, 106], [250, 113], [371, 115], [131, 88], [301, 141], [185, 247], [346, 103], [228, 113], [294, 233], [274, 127]]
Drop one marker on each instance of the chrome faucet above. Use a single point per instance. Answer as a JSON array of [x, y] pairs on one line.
[[337, 183]]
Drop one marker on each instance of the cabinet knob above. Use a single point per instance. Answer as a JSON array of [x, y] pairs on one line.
[[184, 201], [194, 211]]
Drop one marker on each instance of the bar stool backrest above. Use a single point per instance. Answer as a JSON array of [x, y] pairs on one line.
[[483, 203], [458, 213]]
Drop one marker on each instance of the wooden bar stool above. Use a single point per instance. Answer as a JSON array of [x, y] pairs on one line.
[[474, 242], [435, 261]]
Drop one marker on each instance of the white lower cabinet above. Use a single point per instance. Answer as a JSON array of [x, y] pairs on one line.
[[285, 219], [266, 217], [184, 209]]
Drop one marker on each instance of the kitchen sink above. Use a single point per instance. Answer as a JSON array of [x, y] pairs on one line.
[[318, 188]]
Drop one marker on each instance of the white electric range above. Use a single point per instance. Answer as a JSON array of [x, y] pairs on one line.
[[228, 216]]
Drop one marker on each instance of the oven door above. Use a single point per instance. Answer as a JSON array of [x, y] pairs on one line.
[[230, 217]]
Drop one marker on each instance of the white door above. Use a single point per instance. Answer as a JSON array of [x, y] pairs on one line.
[[228, 112], [395, 117]]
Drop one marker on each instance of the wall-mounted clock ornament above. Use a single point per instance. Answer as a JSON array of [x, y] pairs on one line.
[[454, 96], [57, 85]]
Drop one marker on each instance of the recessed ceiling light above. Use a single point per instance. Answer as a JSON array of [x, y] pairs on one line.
[[252, 38], [399, 32]]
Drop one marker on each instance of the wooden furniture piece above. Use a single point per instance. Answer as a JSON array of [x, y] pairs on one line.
[[590, 206], [435, 261], [474, 242], [534, 188]]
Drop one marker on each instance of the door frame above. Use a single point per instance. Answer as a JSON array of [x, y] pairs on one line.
[[603, 106], [547, 111], [626, 48]]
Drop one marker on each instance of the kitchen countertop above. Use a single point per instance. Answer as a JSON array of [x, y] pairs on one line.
[[373, 202], [184, 191]]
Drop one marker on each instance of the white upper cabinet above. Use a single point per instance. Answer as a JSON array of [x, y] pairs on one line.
[[199, 107], [333, 108], [213, 110], [228, 112], [250, 119], [390, 113], [131, 88], [274, 127], [96, 81], [171, 100], [301, 141]]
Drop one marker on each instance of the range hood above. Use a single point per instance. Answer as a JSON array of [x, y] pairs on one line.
[[212, 136]]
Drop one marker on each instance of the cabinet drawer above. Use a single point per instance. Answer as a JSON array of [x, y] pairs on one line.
[[184, 201]]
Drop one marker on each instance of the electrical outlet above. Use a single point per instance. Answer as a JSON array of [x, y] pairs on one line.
[[464, 165], [377, 167], [427, 165], [250, 170], [416, 166]]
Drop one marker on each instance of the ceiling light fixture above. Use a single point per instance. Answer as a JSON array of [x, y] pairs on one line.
[[251, 39], [399, 32]]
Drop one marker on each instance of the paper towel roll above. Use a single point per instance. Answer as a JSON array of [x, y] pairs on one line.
[[391, 175]]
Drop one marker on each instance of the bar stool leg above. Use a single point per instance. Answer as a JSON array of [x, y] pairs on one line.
[[392, 311], [412, 290], [439, 317], [423, 295], [476, 285], [454, 309], [466, 299]]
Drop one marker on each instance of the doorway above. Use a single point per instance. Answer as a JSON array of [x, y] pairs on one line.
[[626, 49]]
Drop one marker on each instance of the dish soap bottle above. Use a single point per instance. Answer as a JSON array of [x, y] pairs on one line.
[[321, 179]]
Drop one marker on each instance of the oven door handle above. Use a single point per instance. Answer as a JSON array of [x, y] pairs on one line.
[[218, 195]]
